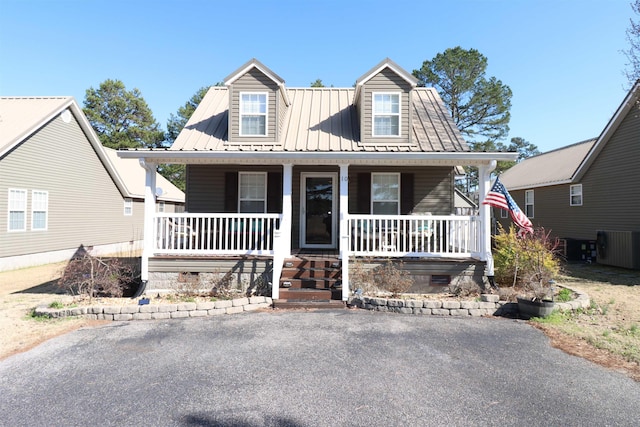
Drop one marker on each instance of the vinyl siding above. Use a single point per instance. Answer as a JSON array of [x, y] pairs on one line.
[[385, 81], [206, 185], [432, 187], [253, 81], [610, 191], [85, 206]]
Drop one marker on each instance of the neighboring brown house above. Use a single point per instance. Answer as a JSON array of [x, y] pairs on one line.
[[60, 189], [277, 174], [588, 194]]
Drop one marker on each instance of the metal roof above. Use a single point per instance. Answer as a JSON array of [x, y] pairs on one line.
[[551, 168], [322, 120]]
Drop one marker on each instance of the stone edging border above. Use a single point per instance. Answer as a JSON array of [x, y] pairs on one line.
[[489, 305], [160, 311]]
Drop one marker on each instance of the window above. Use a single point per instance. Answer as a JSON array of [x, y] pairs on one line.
[[253, 192], [575, 192], [386, 114], [504, 213], [528, 203], [161, 207], [253, 114], [385, 193], [17, 220], [39, 209], [128, 206]]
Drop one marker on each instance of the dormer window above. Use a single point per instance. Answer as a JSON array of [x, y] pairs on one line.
[[253, 113], [386, 114]]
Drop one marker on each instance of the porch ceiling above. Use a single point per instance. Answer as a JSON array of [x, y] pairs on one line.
[[327, 158]]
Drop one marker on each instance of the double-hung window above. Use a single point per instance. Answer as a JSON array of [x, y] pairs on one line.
[[386, 114], [528, 203], [17, 219], [39, 209], [575, 192], [252, 192], [253, 113], [128, 206], [385, 193]]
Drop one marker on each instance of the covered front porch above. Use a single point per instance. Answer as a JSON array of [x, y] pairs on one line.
[[337, 225]]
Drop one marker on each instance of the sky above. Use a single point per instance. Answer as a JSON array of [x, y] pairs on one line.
[[562, 59]]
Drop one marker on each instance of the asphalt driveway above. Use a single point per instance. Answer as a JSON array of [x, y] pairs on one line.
[[325, 368]]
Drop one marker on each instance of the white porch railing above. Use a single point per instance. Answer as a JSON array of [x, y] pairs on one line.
[[215, 233], [414, 235]]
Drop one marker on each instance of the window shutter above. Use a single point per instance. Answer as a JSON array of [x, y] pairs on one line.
[[364, 193], [274, 192], [406, 193], [231, 192]]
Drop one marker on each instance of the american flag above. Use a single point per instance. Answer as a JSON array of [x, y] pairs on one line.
[[499, 197]]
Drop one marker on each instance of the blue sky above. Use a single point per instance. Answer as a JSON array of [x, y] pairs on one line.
[[561, 58]]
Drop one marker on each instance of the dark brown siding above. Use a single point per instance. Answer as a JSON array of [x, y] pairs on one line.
[[610, 191]]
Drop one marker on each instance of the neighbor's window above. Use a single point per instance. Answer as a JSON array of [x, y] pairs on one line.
[[39, 209], [253, 114], [576, 195], [386, 114], [385, 193], [17, 220], [528, 203], [160, 206], [128, 206], [252, 195]]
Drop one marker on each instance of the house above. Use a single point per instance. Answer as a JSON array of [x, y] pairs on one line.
[[587, 194], [277, 174], [61, 190]]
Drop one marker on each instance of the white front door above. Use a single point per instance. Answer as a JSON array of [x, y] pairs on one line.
[[318, 210]]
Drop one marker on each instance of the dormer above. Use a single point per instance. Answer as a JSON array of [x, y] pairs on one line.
[[383, 100], [257, 104]]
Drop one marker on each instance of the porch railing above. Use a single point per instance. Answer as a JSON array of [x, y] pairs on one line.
[[215, 233], [414, 235]]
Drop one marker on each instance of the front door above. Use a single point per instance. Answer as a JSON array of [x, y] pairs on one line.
[[317, 210]]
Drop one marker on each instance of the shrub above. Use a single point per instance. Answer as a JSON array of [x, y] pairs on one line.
[[392, 278], [527, 262], [90, 276]]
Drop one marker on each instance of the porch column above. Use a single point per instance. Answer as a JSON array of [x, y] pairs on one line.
[[282, 242], [484, 184], [344, 229], [149, 214]]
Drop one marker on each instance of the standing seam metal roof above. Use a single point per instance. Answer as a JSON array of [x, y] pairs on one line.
[[322, 120]]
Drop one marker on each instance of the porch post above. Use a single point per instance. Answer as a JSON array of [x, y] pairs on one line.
[[344, 230], [282, 243], [149, 214], [484, 184]]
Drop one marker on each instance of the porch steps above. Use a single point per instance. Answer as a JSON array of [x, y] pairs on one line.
[[310, 282]]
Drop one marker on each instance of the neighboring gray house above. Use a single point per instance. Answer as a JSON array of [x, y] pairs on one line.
[[60, 189], [289, 186], [588, 194]]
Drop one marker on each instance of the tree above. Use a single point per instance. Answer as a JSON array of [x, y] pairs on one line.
[[317, 83], [176, 172], [633, 53], [121, 118], [478, 105]]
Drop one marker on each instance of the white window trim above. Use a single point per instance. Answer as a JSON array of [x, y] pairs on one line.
[[504, 213], [571, 194], [382, 201], [529, 203], [373, 114], [264, 199], [34, 210], [15, 209], [128, 206], [265, 114], [161, 206]]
